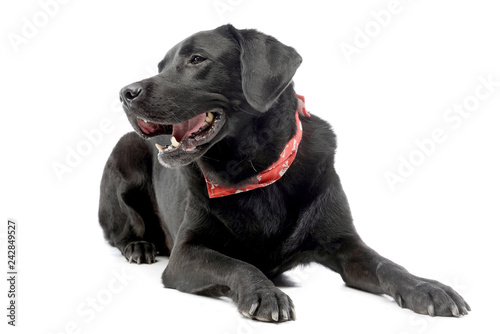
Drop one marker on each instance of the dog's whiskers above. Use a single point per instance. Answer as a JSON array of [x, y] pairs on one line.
[[210, 158]]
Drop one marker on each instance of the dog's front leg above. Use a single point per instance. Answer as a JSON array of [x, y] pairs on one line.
[[363, 268], [200, 270], [341, 249]]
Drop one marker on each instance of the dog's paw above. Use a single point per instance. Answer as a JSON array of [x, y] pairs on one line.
[[267, 304], [140, 252], [432, 298]]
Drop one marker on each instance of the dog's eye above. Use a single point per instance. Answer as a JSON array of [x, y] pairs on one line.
[[195, 60]]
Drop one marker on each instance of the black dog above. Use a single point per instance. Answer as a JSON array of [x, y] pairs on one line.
[[250, 190]]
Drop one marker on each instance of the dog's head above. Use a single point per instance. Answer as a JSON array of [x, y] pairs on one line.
[[207, 86]]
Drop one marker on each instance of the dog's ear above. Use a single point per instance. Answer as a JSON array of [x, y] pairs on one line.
[[267, 67]]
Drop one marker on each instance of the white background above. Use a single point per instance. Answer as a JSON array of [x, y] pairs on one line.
[[442, 222]]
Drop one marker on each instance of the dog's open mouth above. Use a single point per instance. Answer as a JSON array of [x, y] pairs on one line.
[[188, 135]]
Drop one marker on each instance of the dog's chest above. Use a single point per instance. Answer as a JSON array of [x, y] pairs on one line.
[[258, 215]]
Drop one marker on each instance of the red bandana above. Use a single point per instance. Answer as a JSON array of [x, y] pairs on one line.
[[277, 169]]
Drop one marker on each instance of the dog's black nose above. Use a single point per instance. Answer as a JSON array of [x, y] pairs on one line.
[[130, 92]]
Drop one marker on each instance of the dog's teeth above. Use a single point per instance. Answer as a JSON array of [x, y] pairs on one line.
[[174, 141], [159, 147], [145, 121], [210, 117]]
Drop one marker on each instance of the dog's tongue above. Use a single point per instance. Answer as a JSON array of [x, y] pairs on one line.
[[183, 130], [148, 127]]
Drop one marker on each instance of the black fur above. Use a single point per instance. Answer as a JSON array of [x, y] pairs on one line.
[[234, 245]]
